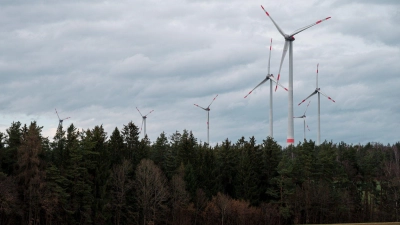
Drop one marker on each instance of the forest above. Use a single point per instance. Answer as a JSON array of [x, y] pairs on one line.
[[88, 177]]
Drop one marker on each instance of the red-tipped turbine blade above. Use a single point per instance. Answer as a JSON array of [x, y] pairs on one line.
[[276, 25], [212, 102], [66, 118], [149, 112], [306, 27], [139, 111], [141, 126], [308, 128], [274, 80], [57, 114], [199, 106], [307, 107], [326, 96], [285, 48], [315, 92], [257, 86]]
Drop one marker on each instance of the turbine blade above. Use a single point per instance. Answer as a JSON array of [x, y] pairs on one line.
[[57, 114], [276, 82], [269, 59], [139, 111], [306, 27], [307, 107], [200, 106], [257, 86], [149, 112], [285, 48], [212, 102], [315, 92], [276, 25], [308, 128], [140, 131], [66, 118], [326, 96]]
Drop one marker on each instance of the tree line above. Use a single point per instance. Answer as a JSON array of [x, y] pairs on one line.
[[87, 177]]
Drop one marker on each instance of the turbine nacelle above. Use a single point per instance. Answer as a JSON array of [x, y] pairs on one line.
[[289, 38]]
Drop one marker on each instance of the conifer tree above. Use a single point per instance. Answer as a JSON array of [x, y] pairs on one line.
[[31, 173], [130, 134], [100, 174], [9, 155], [226, 167], [159, 150], [116, 147]]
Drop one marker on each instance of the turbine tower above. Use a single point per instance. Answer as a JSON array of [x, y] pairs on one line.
[[318, 90], [143, 121], [208, 118], [60, 121], [271, 79], [289, 38], [304, 120]]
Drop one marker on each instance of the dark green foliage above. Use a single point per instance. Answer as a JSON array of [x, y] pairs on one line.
[[84, 177], [116, 147], [9, 153], [226, 168], [159, 150]]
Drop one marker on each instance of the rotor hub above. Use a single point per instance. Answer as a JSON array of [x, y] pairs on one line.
[[291, 38]]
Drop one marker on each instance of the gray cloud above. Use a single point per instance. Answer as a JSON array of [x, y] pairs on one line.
[[97, 61]]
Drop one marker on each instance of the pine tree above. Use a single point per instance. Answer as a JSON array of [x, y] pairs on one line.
[[116, 147], [100, 173], [271, 156], [58, 152], [226, 167], [130, 134], [31, 173], [9, 154], [159, 150]]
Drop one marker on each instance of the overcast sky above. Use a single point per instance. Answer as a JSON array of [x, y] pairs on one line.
[[95, 61]]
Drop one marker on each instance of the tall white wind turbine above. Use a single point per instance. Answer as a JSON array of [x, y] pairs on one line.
[[318, 90], [60, 121], [208, 118], [304, 121], [143, 121], [271, 79], [289, 38]]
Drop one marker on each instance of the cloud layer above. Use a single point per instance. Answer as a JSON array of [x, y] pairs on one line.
[[95, 61]]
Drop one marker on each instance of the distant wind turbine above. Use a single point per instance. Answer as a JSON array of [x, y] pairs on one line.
[[271, 78], [143, 121], [60, 121], [289, 38], [208, 118], [318, 90], [304, 121]]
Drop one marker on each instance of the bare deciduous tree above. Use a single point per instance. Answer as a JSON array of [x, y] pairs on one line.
[[120, 186], [151, 191]]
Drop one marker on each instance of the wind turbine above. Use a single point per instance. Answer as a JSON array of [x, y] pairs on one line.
[[289, 38], [208, 118], [271, 78], [60, 121], [318, 90], [304, 118], [143, 121]]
